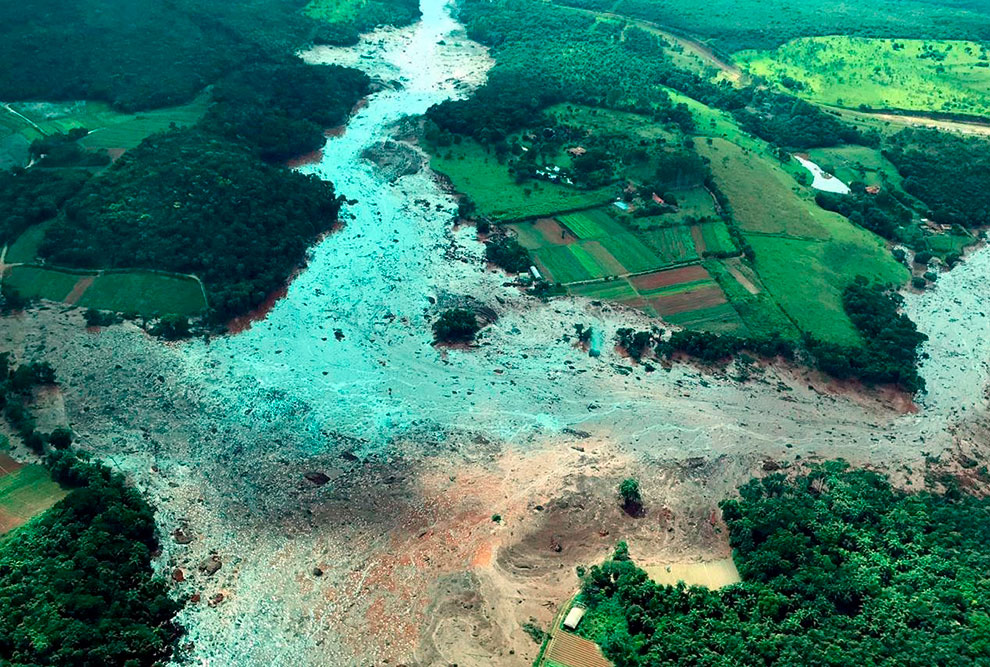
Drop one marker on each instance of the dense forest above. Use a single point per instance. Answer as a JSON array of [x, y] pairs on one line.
[[931, 162], [28, 197], [76, 584], [282, 108], [143, 54], [239, 224], [733, 25], [838, 568]]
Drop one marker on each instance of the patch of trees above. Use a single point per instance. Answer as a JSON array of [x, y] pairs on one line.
[[190, 202], [949, 172], [28, 197], [456, 325], [788, 121], [17, 384], [882, 213], [507, 253], [711, 347], [63, 150], [282, 108], [838, 568], [891, 341], [76, 584]]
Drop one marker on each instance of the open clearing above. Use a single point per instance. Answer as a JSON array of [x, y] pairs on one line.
[[713, 574], [917, 75]]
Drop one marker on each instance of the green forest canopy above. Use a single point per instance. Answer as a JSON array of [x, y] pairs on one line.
[[838, 568]]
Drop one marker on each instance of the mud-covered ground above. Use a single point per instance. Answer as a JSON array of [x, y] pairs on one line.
[[326, 480]]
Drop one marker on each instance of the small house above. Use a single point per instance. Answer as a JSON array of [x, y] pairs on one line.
[[872, 189], [574, 617], [576, 151]]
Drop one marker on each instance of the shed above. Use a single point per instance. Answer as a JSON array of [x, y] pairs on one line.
[[535, 272], [574, 617]]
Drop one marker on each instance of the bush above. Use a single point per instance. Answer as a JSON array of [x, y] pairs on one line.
[[457, 325], [918, 282], [632, 501], [172, 327], [507, 253]]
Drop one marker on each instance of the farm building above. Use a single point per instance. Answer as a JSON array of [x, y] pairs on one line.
[[574, 617]]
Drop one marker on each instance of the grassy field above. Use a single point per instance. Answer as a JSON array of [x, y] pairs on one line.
[[672, 245], [25, 492], [25, 247], [764, 197], [856, 163], [591, 224], [141, 292], [108, 128], [476, 173], [918, 75]]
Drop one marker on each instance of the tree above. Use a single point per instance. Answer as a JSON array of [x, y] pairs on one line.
[[457, 325], [632, 501], [172, 327], [60, 438]]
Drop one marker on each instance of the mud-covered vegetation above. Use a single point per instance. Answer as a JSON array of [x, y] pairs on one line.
[[838, 568]]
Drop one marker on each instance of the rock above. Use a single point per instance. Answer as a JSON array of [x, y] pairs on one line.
[[210, 565], [770, 465], [216, 599], [317, 478], [178, 575], [181, 537], [195, 598], [317, 572]]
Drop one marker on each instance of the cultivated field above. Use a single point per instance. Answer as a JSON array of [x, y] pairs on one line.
[[25, 492]]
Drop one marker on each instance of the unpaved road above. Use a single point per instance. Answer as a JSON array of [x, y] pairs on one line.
[[348, 486]]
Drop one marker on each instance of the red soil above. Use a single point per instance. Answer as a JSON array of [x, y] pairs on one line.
[[696, 299], [652, 281]]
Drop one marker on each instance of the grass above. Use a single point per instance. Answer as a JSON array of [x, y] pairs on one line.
[[477, 174], [610, 290], [108, 128], [25, 493], [856, 163], [764, 197], [39, 283], [672, 245], [25, 247], [598, 121], [814, 301], [144, 293], [855, 71], [716, 237], [141, 292], [632, 253], [721, 319], [562, 265]]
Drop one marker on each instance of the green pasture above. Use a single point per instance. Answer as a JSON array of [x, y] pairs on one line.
[[632, 253], [609, 290], [856, 163], [807, 277], [763, 196], [141, 292], [598, 121], [108, 128], [567, 264], [25, 493], [25, 247], [478, 174], [721, 319], [918, 75], [144, 293]]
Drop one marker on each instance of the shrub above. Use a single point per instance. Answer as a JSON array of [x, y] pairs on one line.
[[507, 253], [457, 325]]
